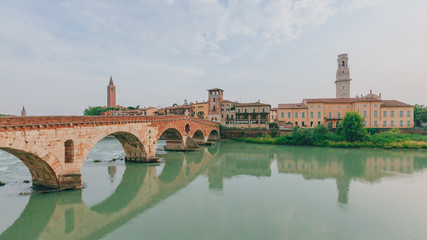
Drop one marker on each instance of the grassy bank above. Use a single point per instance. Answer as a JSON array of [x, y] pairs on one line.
[[393, 139]]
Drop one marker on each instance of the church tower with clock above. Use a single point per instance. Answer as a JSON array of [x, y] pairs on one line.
[[343, 77]]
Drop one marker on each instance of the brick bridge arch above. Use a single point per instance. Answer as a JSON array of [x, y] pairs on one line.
[[55, 148]]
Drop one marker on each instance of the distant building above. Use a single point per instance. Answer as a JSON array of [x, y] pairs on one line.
[[273, 115], [215, 96], [111, 93], [252, 115], [184, 109], [377, 113], [200, 110], [23, 112], [149, 111]]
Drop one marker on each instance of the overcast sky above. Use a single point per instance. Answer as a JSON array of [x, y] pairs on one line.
[[56, 57]]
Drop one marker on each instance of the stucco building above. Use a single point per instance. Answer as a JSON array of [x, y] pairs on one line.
[[378, 113]]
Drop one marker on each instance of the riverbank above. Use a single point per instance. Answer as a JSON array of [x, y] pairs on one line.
[[386, 140]]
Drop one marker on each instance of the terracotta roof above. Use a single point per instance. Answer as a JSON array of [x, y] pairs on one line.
[[251, 104], [394, 103], [198, 103], [340, 100], [178, 107], [273, 109], [292, 105], [215, 89]]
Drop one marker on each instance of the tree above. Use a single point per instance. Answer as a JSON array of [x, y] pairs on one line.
[[353, 128], [420, 114], [319, 133]]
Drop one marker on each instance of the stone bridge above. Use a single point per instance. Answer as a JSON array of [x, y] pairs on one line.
[[54, 148]]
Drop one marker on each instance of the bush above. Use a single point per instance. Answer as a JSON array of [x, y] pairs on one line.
[[353, 128], [320, 133], [303, 136]]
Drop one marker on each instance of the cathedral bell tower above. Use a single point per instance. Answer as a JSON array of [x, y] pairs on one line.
[[343, 77], [111, 93]]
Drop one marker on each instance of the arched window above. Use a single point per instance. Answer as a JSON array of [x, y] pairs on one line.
[[343, 63], [69, 151]]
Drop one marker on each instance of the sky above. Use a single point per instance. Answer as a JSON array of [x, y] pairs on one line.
[[56, 57]]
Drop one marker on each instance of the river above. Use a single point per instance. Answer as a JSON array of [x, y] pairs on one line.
[[226, 191]]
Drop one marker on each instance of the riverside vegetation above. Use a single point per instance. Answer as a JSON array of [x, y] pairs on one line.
[[350, 133]]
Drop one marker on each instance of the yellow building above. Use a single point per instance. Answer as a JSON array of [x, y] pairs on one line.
[[329, 111], [377, 113], [200, 110], [252, 115]]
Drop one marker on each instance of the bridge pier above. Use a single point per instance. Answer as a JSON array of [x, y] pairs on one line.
[[69, 181]]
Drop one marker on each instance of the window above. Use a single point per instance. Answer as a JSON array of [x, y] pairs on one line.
[[375, 105], [409, 123], [364, 105], [296, 115], [330, 115], [375, 114], [409, 113], [392, 123], [330, 106], [375, 124], [385, 124], [319, 115], [385, 114], [392, 114], [69, 151], [303, 115], [318, 123], [238, 110], [254, 110], [364, 123], [263, 110], [246, 110], [401, 123], [318, 106], [296, 123], [283, 115], [214, 100], [311, 106], [303, 124], [339, 115], [311, 114], [348, 106], [339, 106], [311, 124], [401, 113], [364, 114]]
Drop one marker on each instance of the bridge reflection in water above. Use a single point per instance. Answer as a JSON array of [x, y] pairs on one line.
[[64, 215]]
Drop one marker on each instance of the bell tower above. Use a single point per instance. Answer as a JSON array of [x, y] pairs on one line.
[[111, 93], [343, 77], [214, 104]]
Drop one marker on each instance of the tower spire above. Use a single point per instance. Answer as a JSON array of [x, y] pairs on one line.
[[111, 81], [23, 112]]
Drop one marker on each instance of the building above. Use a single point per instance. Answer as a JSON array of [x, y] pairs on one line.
[[228, 113], [149, 111], [111, 93], [184, 109], [273, 115], [252, 115], [215, 96], [200, 110], [378, 113], [23, 112]]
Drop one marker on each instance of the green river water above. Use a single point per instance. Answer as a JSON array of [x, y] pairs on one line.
[[226, 191]]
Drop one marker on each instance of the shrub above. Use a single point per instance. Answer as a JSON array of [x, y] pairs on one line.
[[320, 133], [353, 128]]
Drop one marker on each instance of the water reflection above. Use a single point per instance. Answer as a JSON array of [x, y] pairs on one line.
[[64, 215]]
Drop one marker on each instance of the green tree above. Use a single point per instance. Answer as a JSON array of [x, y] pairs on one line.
[[320, 133], [353, 128], [420, 114], [302, 136], [97, 110]]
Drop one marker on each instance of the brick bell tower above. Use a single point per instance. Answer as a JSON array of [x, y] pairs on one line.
[[343, 77], [111, 93], [214, 104]]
